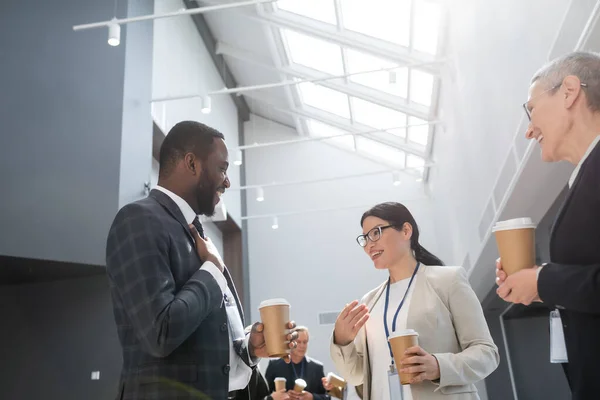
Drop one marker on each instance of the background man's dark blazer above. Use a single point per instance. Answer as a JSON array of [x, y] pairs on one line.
[[571, 281], [313, 372], [170, 315]]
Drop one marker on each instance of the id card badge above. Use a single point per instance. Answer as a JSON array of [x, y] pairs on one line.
[[558, 348], [394, 384]]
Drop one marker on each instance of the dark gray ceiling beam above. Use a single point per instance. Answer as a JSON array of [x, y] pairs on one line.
[[211, 44]]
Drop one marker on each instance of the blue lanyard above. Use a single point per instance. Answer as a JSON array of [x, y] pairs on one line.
[[301, 369], [385, 310]]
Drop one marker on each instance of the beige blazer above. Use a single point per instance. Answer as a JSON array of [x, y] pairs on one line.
[[446, 313]]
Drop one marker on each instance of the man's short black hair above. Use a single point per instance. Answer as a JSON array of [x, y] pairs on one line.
[[186, 137]]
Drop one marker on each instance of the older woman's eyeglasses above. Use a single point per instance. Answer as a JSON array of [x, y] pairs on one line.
[[526, 107], [373, 235]]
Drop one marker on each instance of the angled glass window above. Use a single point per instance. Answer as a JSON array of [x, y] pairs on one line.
[[397, 84], [421, 87], [426, 26], [382, 19], [313, 53], [321, 10], [418, 134], [319, 129], [378, 117], [381, 152], [326, 99]]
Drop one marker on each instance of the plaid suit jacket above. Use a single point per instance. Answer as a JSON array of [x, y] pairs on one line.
[[170, 316]]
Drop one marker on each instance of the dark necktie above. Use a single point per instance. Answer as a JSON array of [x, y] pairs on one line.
[[198, 226]]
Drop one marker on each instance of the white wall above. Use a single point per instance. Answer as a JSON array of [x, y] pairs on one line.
[[494, 49], [313, 259], [183, 66]]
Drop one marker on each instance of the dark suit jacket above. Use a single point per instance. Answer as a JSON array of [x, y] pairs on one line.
[[313, 372], [571, 281], [170, 315]]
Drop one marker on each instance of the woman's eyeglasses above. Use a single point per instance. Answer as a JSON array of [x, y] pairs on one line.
[[373, 235]]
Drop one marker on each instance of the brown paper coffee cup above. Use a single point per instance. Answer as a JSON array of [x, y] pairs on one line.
[[280, 384], [275, 315], [400, 341], [516, 244], [336, 381], [299, 385]]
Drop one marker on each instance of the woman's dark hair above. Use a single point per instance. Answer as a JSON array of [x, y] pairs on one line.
[[397, 215]]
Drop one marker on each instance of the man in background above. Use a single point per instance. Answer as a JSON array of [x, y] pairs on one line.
[[301, 367]]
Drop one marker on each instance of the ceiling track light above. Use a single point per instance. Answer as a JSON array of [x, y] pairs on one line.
[[260, 194], [206, 105], [396, 178], [114, 33], [238, 158], [275, 224]]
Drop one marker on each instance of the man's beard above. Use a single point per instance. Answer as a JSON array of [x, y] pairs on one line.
[[205, 194]]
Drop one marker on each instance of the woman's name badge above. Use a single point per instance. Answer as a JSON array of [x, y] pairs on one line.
[[394, 384], [558, 348]]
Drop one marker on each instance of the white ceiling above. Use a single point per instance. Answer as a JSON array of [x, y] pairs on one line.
[[319, 39]]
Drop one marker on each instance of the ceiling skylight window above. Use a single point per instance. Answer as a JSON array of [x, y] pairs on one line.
[[359, 62], [382, 19], [314, 53], [326, 99], [426, 26], [415, 164], [421, 87], [321, 10], [376, 116], [381, 152], [418, 134], [320, 129]]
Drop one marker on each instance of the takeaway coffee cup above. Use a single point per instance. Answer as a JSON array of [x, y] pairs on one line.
[[335, 380], [516, 244], [275, 315], [280, 384], [400, 341], [299, 385]]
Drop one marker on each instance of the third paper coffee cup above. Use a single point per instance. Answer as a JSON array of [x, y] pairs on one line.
[[400, 341], [299, 385], [280, 384], [516, 243], [336, 381], [275, 315]]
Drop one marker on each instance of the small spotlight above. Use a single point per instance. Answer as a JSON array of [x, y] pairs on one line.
[[238, 158], [275, 223], [260, 194], [114, 33], [206, 105], [396, 178]]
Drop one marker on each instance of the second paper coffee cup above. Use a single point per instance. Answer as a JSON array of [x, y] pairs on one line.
[[400, 341], [336, 381], [299, 385], [516, 243], [280, 384], [275, 315]]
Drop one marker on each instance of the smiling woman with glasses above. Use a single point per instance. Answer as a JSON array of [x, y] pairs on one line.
[[455, 347], [564, 118]]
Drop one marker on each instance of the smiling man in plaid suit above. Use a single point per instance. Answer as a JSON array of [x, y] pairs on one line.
[[178, 315]]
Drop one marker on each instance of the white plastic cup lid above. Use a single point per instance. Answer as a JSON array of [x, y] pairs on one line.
[[300, 382], [280, 379], [516, 223], [274, 302], [403, 332]]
